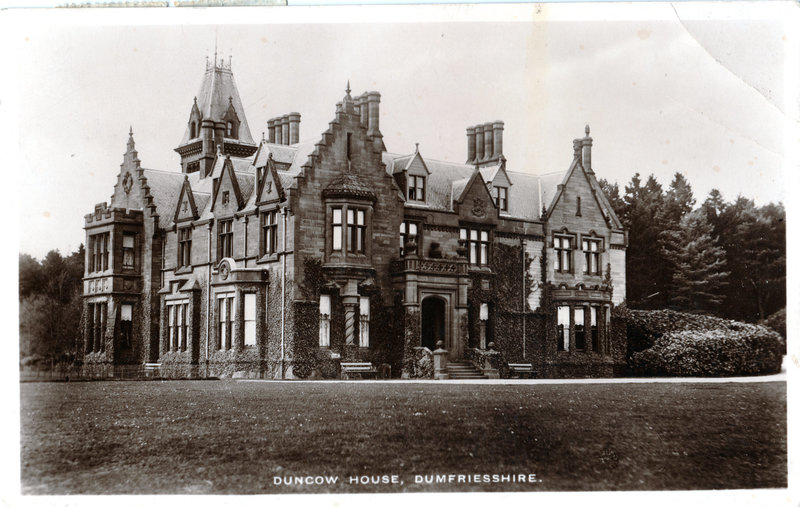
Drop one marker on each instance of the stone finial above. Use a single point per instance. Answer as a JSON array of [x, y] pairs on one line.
[[587, 129], [416, 150], [347, 90], [230, 100]]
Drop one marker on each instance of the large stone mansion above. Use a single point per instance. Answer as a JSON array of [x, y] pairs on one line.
[[280, 259]]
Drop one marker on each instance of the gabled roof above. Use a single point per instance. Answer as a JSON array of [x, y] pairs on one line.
[[447, 181], [600, 198], [186, 190], [217, 93], [165, 187]]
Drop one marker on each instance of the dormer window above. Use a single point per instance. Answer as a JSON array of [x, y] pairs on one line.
[[416, 188], [501, 198], [193, 129], [229, 130]]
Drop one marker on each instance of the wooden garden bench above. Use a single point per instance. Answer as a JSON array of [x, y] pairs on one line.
[[520, 369], [361, 369], [151, 369]]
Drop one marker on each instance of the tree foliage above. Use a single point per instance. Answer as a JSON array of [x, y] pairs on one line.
[[50, 305], [728, 258]]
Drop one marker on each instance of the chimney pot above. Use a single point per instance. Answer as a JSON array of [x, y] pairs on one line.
[[488, 141], [479, 138], [498, 138], [278, 130], [285, 129], [374, 101], [470, 145], [586, 142], [271, 129], [294, 128], [363, 109]]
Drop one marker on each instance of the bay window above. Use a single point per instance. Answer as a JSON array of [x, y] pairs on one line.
[[128, 244], [356, 230]]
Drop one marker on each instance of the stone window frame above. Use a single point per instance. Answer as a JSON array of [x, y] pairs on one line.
[[561, 253], [98, 251], [230, 302], [97, 322], [592, 238], [364, 321], [224, 238], [356, 225], [325, 310], [483, 247], [177, 325], [345, 252], [596, 337], [254, 320], [405, 225], [268, 232], [185, 246]]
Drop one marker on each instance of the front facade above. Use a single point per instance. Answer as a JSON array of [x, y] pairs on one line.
[[282, 259]]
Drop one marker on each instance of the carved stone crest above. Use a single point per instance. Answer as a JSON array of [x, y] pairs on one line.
[[127, 183], [479, 207]]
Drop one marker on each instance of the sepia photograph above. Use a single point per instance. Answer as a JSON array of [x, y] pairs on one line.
[[402, 249]]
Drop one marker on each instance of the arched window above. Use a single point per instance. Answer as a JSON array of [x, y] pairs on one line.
[[193, 130], [229, 132]]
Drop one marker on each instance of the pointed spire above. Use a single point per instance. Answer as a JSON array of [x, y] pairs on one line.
[[131, 142]]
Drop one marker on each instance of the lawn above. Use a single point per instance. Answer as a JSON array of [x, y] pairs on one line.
[[237, 437]]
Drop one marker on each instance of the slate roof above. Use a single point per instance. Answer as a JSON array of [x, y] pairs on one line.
[[165, 187], [447, 180], [213, 101]]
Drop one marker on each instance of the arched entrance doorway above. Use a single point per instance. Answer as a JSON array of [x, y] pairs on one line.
[[433, 321]]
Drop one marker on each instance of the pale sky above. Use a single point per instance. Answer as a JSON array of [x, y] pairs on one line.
[[705, 96]]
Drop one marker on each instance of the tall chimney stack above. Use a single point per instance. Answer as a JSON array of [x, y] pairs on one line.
[[294, 128], [285, 129], [278, 130], [271, 130], [363, 109], [586, 142], [374, 100], [470, 145], [498, 139], [488, 141], [478, 143]]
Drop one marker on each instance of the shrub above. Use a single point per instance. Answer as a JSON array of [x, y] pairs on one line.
[[698, 345], [776, 322]]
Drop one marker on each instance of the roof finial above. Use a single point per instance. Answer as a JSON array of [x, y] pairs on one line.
[[230, 61], [348, 87], [216, 36], [587, 129], [230, 99], [130, 132], [417, 148], [263, 137]]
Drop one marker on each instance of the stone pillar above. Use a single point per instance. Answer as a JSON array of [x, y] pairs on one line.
[[440, 362], [572, 328], [411, 336], [350, 310], [606, 335]]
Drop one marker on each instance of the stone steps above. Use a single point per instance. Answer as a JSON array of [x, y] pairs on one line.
[[461, 370]]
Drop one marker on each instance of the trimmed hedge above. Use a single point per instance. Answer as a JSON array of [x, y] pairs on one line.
[[683, 344]]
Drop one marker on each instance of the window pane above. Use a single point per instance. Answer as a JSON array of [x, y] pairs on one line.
[[579, 317], [563, 316], [360, 217], [337, 237], [363, 306], [127, 241], [593, 314], [402, 228], [325, 304], [484, 253], [126, 312], [462, 234], [412, 229], [350, 216], [473, 234], [484, 236], [337, 215]]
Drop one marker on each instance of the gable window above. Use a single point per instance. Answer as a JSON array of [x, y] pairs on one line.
[[563, 251], [225, 239], [408, 230], [349, 146], [229, 130], [226, 314], [184, 246], [193, 128], [416, 188], [249, 319], [363, 322], [324, 320], [501, 198], [269, 232], [578, 206], [356, 230], [477, 244], [336, 228], [563, 327], [127, 250], [226, 197], [591, 254]]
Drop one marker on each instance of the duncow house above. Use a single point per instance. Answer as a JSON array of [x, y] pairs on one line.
[[281, 259]]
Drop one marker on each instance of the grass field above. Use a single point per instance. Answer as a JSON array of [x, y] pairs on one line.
[[235, 437]]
